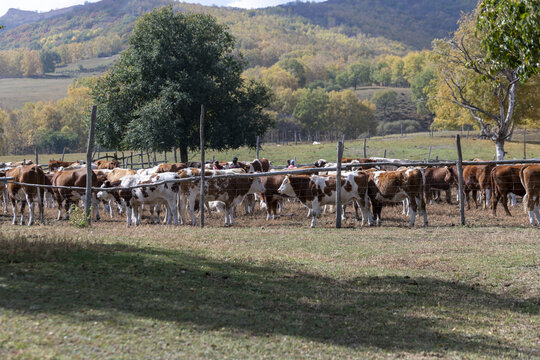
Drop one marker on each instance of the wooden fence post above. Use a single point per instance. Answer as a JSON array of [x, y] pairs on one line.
[[339, 209], [124, 162], [148, 158], [37, 158], [429, 154], [89, 150], [258, 147], [384, 156], [201, 201], [142, 160], [524, 144], [63, 152], [365, 149], [131, 160], [460, 181], [165, 156], [401, 127], [175, 158]]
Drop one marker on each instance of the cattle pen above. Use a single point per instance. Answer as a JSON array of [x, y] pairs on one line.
[[317, 170]]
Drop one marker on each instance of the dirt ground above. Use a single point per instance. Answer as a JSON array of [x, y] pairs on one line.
[[294, 215]]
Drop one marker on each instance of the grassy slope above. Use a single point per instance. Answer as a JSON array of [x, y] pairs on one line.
[[14, 93], [269, 293], [412, 146]]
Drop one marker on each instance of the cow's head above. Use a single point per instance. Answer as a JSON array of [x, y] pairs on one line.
[[320, 163], [256, 186], [105, 195], [286, 188]]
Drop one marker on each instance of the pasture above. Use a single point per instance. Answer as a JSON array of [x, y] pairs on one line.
[[278, 289], [411, 146]]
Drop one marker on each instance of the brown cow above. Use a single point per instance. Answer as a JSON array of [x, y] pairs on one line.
[[28, 174], [396, 186], [530, 177], [440, 178], [56, 164], [260, 165], [104, 164], [77, 178], [170, 167], [505, 180]]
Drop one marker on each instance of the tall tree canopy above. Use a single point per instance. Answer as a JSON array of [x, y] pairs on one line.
[[482, 69], [174, 63]]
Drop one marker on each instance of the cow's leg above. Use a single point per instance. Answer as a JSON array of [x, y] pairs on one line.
[[67, 208], [23, 205], [514, 199], [41, 197], [110, 204], [488, 198], [343, 216], [129, 214], [30, 202], [316, 210], [406, 206], [136, 211], [422, 209], [14, 210], [412, 211], [448, 195], [191, 209], [6, 200], [505, 204]]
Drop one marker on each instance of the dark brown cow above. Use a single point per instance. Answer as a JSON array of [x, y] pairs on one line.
[[440, 178], [396, 186], [261, 165], [28, 174], [170, 167], [104, 164], [530, 177], [77, 178], [56, 164], [505, 180], [471, 184], [271, 197], [315, 190]]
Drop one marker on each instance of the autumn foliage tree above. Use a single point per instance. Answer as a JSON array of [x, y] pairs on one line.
[[494, 52]]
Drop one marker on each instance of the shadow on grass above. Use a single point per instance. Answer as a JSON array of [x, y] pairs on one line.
[[391, 313]]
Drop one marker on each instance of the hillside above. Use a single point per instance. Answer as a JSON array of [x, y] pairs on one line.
[[413, 22]]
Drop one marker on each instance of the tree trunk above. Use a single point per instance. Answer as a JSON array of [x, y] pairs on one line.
[[499, 148], [183, 153]]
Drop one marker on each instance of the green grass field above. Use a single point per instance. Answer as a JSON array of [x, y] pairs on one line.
[[14, 93], [268, 293], [411, 146]]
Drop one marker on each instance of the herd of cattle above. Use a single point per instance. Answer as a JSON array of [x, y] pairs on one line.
[[368, 187]]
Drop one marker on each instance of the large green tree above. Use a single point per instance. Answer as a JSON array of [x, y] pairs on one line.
[[152, 97], [494, 52]]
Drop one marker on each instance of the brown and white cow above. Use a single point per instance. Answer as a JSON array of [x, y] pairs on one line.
[[28, 174], [530, 178], [315, 191], [505, 180], [396, 186], [134, 198], [271, 196], [260, 165], [104, 164], [67, 197], [231, 191]]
